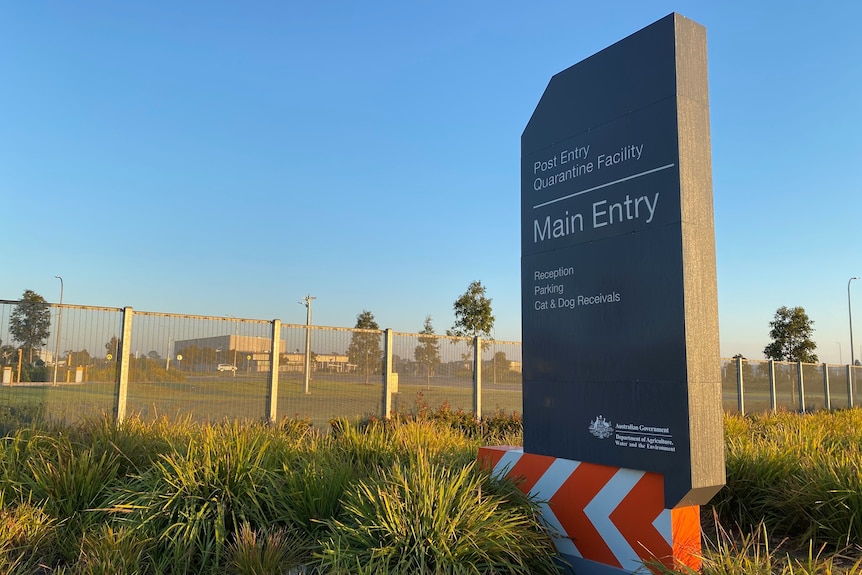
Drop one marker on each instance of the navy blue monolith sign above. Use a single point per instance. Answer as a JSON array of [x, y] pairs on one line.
[[619, 301]]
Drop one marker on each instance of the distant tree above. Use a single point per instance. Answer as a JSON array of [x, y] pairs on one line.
[[209, 356], [112, 348], [499, 366], [8, 355], [77, 358], [791, 336], [364, 350], [427, 353], [30, 323], [154, 355], [192, 355], [473, 315]]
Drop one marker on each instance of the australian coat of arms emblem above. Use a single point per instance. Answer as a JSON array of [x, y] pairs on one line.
[[601, 427]]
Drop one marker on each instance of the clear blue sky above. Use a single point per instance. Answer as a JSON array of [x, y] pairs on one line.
[[230, 157]]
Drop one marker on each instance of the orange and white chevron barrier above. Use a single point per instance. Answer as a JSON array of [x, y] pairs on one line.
[[608, 516]]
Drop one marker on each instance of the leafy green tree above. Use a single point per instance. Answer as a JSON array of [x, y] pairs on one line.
[[473, 315], [427, 353], [791, 336], [364, 350], [30, 323]]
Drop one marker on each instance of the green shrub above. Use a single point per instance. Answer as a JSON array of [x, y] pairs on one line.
[[106, 551], [797, 474], [14, 417], [71, 484], [37, 372], [27, 538], [498, 428], [425, 517], [265, 552], [135, 443], [191, 501], [312, 486]]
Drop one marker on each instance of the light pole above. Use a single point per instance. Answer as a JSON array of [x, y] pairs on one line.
[[168, 350], [59, 326], [306, 301], [235, 341], [850, 316], [494, 358], [840, 355]]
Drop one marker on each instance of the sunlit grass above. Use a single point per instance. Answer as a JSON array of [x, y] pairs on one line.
[[153, 495], [420, 516], [798, 475]]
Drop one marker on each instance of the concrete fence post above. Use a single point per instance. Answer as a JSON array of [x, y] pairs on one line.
[[123, 361], [387, 374], [827, 400], [740, 387], [477, 377], [773, 397], [800, 386], [275, 356]]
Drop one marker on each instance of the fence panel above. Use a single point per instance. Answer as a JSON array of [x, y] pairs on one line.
[[82, 383], [345, 378], [213, 368], [502, 389], [838, 386], [856, 373], [433, 371], [730, 398], [755, 377], [812, 380], [786, 386]]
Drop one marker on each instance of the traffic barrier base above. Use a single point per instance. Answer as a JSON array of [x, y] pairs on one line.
[[604, 520]]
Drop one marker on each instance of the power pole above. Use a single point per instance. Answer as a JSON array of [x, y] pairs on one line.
[[307, 302], [60, 324]]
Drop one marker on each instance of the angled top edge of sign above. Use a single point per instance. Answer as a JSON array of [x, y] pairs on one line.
[[634, 76]]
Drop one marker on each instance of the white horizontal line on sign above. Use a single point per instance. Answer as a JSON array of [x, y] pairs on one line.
[[605, 185]]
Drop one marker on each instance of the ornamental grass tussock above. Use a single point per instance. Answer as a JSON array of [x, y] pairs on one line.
[[404, 496], [420, 516]]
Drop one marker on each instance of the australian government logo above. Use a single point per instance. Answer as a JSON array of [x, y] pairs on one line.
[[601, 427], [634, 435]]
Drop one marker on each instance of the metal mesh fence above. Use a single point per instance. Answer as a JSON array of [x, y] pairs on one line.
[[838, 387], [345, 376], [436, 372], [756, 389], [728, 386], [67, 363], [80, 337], [203, 368], [787, 386]]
